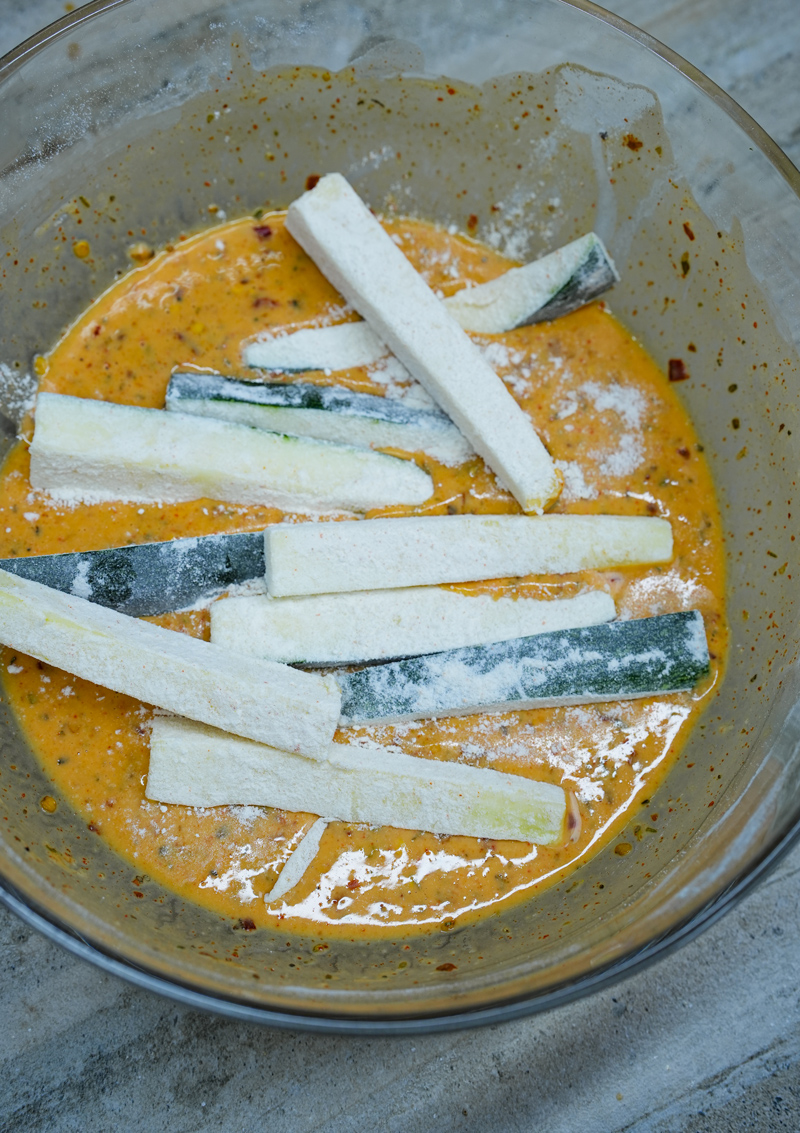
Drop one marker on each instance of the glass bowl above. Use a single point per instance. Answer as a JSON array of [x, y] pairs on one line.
[[149, 112]]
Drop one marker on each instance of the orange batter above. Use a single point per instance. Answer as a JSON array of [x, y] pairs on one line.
[[624, 445]]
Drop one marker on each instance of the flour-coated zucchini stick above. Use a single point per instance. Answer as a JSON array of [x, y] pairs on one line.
[[380, 554], [150, 578], [554, 285], [97, 451], [198, 766], [347, 243], [339, 347], [259, 699], [375, 625], [299, 860], [619, 661], [544, 289], [328, 413]]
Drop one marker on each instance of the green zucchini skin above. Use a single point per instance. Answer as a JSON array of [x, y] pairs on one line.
[[186, 386], [616, 661], [150, 578], [326, 413], [592, 279]]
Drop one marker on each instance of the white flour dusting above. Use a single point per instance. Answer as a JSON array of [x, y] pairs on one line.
[[513, 366], [629, 406], [81, 586], [575, 485], [625, 460], [624, 400]]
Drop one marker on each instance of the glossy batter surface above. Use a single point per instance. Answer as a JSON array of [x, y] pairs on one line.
[[624, 445]]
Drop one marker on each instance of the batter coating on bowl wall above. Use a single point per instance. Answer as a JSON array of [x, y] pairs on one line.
[[623, 445]]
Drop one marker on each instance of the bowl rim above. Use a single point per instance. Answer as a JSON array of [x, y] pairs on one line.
[[501, 1010]]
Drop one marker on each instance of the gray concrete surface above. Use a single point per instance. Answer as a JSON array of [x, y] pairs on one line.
[[706, 1041]]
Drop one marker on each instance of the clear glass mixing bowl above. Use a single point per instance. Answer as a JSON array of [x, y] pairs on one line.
[[148, 111]]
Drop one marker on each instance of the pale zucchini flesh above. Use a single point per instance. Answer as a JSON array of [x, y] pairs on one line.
[[259, 699], [623, 660], [351, 249], [327, 413], [150, 578], [96, 451], [428, 550], [376, 625], [192, 765], [339, 347]]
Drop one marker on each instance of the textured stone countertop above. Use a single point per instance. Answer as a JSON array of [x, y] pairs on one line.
[[706, 1040]]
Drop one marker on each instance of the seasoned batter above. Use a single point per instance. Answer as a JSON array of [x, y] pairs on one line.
[[623, 444]]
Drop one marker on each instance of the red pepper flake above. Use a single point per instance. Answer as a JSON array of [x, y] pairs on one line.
[[94, 827], [451, 90], [354, 883], [632, 142], [684, 452], [262, 231], [246, 924], [687, 228], [312, 181], [448, 967], [265, 301], [677, 370], [472, 222]]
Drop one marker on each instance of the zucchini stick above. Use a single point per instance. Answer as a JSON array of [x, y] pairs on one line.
[[194, 765], [328, 413], [96, 451], [299, 860], [150, 578], [376, 625], [427, 550], [259, 699], [554, 285], [347, 243], [619, 661]]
